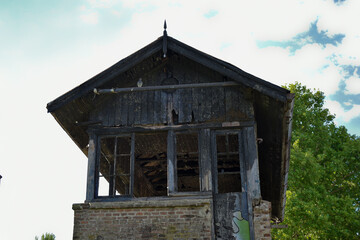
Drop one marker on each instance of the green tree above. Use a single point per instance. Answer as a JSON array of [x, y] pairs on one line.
[[323, 197], [46, 236]]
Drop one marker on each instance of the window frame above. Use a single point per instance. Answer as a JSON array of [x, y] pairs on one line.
[[207, 157], [241, 156]]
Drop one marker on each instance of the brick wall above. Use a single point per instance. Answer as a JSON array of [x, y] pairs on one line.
[[153, 219], [262, 217]]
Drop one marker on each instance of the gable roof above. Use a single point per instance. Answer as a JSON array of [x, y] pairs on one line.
[[73, 105], [211, 62]]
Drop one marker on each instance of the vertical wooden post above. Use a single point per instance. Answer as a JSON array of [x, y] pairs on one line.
[[132, 164], [252, 164], [91, 178], [252, 184], [205, 163], [214, 170], [112, 170], [171, 162]]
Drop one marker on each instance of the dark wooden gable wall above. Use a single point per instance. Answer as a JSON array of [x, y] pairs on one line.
[[213, 104]]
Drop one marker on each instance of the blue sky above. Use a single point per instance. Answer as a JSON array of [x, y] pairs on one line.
[[49, 47]]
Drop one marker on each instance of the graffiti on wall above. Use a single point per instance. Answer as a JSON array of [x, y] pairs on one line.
[[241, 230]]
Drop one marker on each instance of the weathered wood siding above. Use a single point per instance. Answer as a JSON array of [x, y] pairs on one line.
[[177, 106]]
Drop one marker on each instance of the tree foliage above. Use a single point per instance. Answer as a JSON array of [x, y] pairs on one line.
[[46, 236], [323, 197]]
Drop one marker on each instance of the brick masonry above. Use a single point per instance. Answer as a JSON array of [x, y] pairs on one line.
[[156, 219], [153, 219], [262, 217]]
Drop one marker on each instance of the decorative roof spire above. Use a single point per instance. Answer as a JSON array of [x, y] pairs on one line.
[[165, 40]]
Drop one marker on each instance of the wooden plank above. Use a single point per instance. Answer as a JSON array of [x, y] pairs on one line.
[[175, 107], [111, 111], [118, 105], [208, 95], [182, 108], [214, 172], [201, 104], [228, 104], [218, 104], [157, 107], [187, 110], [144, 108], [242, 160], [131, 109], [91, 173], [252, 168], [171, 162], [195, 104], [205, 163], [169, 108], [137, 108], [164, 107], [112, 184], [124, 109], [150, 108], [132, 164]]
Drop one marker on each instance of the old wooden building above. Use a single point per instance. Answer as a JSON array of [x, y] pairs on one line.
[[180, 145]]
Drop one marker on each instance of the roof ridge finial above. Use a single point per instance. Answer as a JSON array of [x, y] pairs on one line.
[[165, 40]]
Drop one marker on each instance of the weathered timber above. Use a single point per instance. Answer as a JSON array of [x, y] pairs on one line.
[[90, 189], [171, 162], [205, 160], [119, 130], [132, 164], [166, 87], [252, 168]]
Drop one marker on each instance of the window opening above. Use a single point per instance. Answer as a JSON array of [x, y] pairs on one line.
[[228, 164], [115, 166], [187, 155], [150, 177]]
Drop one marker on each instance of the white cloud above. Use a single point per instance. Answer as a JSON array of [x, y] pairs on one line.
[[336, 108], [353, 84], [90, 17]]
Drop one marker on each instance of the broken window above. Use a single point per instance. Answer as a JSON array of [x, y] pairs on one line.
[[228, 162], [133, 165], [115, 166], [136, 164], [187, 160], [150, 176]]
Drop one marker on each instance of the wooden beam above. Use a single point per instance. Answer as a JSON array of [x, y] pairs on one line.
[[132, 164], [171, 161], [214, 171], [92, 152], [166, 87], [118, 130], [205, 160], [252, 169]]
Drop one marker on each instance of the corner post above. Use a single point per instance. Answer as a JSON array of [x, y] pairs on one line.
[[91, 172]]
